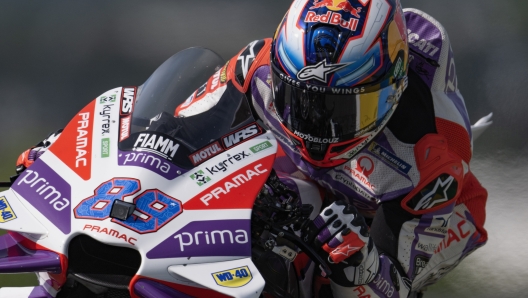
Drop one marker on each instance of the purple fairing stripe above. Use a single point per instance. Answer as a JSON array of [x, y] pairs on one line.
[[145, 288], [39, 292], [14, 259]]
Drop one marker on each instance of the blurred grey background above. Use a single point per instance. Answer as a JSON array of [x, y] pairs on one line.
[[56, 56]]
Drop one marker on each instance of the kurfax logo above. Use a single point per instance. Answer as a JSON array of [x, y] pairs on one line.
[[223, 165], [237, 181], [241, 135], [206, 153], [206, 238], [105, 114], [161, 145]]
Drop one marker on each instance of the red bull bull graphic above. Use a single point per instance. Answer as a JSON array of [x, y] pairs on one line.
[[339, 12]]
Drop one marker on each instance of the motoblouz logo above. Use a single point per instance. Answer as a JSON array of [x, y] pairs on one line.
[[6, 212], [233, 278], [206, 238], [154, 209]]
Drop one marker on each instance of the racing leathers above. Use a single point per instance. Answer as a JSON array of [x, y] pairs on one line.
[[412, 182]]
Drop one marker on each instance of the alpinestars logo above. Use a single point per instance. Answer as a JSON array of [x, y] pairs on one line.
[[439, 194], [246, 59], [319, 72]]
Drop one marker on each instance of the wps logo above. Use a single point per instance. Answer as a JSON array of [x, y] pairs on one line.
[[233, 278], [242, 135], [127, 102]]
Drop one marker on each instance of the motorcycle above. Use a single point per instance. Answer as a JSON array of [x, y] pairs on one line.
[[128, 202]]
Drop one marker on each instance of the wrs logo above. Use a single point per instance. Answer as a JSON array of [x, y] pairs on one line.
[[233, 278], [241, 135]]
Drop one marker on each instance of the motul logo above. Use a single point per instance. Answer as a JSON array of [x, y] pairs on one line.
[[206, 153], [241, 136]]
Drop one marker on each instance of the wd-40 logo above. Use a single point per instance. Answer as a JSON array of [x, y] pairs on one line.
[[241, 135], [206, 153], [161, 145], [6, 212], [233, 278], [200, 178], [223, 165]]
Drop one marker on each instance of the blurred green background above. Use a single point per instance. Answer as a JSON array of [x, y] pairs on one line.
[[55, 56]]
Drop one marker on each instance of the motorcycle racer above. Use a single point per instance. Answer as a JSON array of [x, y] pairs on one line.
[[363, 98]]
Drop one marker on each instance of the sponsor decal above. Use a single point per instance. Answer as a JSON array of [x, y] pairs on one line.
[[48, 193], [110, 232], [246, 59], [439, 224], [200, 178], [105, 115], [435, 193], [127, 106], [215, 80], [427, 244], [107, 99], [308, 137], [156, 143], [223, 165], [154, 209], [150, 162], [74, 147], [344, 179], [236, 191], [241, 135], [6, 212], [389, 158], [200, 91], [206, 238], [459, 231], [223, 73], [233, 183], [233, 278], [358, 173], [383, 285], [128, 100], [320, 89], [124, 128], [262, 146], [105, 147], [332, 18], [419, 264], [206, 153], [423, 45], [319, 71]]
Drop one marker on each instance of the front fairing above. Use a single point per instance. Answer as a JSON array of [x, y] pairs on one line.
[[187, 210]]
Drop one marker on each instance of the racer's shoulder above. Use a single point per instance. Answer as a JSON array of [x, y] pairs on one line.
[[243, 65]]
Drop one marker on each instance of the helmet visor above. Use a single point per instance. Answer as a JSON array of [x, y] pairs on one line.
[[332, 118]]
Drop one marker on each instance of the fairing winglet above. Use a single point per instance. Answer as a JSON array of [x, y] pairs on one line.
[[15, 217]]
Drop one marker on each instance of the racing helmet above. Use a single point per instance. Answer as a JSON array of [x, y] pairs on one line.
[[338, 69]]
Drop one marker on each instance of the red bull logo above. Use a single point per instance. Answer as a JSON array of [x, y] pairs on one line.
[[333, 15], [337, 5]]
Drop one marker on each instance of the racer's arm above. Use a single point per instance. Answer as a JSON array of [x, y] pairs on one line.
[[28, 157]]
